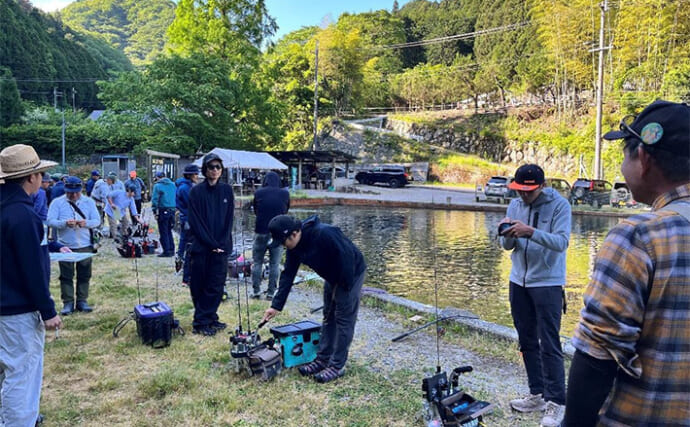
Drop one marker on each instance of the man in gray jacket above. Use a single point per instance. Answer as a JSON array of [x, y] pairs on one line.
[[538, 234]]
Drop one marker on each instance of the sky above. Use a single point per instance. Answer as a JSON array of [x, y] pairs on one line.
[[289, 14]]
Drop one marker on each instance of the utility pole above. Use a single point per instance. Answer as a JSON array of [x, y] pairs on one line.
[[55, 99], [315, 144], [74, 107], [598, 167], [63, 141]]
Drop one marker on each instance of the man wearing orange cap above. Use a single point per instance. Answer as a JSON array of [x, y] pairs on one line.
[[538, 237], [137, 184]]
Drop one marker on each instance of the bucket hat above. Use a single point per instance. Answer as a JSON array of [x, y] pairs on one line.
[[21, 160]]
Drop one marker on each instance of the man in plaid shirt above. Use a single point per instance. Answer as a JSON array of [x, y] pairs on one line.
[[632, 364]]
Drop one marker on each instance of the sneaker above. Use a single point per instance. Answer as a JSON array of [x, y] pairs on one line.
[[312, 368], [269, 295], [553, 415], [531, 403], [256, 295], [218, 326], [329, 374], [207, 331]]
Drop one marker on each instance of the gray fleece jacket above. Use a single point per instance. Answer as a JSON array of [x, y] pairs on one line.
[[540, 259]]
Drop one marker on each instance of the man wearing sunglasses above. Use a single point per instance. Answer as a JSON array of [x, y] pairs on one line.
[[210, 212], [632, 364]]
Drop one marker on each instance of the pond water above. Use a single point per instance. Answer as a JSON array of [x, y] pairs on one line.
[[410, 250]]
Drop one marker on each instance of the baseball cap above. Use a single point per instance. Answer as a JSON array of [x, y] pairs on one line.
[[46, 178], [160, 174], [662, 125], [281, 227], [73, 184], [191, 169], [95, 172], [112, 175], [527, 178]]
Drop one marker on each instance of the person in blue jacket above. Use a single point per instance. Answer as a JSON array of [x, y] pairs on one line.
[[184, 185], [269, 201], [26, 308], [210, 216], [326, 250], [95, 176], [59, 187], [163, 206], [40, 203]]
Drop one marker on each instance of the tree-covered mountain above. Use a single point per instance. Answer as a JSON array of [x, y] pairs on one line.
[[137, 28], [41, 54]]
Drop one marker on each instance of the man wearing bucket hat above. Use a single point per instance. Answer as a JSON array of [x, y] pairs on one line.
[[74, 216], [632, 363], [211, 209], [26, 308], [327, 251], [538, 233]]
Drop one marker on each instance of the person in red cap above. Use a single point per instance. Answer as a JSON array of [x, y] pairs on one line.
[[538, 235]]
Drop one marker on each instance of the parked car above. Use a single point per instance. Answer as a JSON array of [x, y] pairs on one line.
[[497, 189], [326, 172], [621, 195], [560, 185], [594, 192], [394, 176]]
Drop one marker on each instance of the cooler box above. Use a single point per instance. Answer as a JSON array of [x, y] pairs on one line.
[[298, 342], [154, 323]]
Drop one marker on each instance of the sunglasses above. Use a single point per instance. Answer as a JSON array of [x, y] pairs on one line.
[[215, 166], [651, 133]]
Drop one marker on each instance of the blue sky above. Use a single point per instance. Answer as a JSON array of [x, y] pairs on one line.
[[289, 14]]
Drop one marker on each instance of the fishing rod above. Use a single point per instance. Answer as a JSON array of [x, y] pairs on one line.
[[426, 325]]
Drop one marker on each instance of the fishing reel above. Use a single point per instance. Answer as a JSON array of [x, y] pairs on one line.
[[445, 404], [241, 343]]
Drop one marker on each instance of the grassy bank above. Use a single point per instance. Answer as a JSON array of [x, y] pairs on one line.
[[92, 378]]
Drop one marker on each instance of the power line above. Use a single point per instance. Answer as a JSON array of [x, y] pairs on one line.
[[454, 37]]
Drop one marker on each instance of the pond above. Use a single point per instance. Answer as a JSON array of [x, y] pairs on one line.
[[410, 250]]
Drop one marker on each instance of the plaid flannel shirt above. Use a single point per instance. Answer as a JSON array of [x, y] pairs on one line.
[[637, 312]]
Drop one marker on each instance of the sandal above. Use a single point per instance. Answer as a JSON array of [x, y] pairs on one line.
[[329, 374], [312, 368]]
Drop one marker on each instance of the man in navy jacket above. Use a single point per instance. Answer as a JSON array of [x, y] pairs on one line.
[[211, 209], [26, 308], [184, 186], [269, 201], [326, 250]]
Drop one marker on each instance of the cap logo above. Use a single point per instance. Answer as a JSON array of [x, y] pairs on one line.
[[652, 133]]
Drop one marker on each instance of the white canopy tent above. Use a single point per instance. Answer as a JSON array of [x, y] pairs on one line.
[[246, 160]]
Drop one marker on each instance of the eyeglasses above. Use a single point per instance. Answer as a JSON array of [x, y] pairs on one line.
[[215, 166]]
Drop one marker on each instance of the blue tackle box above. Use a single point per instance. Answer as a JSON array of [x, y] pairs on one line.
[[154, 323], [298, 342]]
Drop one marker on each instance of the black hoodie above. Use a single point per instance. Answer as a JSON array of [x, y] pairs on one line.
[[269, 201], [326, 250], [24, 263], [211, 208]]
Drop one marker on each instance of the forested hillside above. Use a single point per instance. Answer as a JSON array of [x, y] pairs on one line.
[[41, 54], [213, 77], [135, 27]]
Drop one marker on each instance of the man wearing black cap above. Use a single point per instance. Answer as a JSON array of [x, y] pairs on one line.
[[326, 250], [538, 238], [211, 209], [632, 363], [72, 215], [190, 176]]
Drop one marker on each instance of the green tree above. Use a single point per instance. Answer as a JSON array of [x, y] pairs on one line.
[[11, 108]]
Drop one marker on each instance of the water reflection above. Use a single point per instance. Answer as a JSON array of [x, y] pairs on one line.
[[406, 248]]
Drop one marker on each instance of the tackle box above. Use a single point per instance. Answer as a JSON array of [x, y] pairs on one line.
[[298, 342], [154, 323]]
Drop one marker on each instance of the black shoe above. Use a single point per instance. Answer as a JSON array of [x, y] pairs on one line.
[[67, 309], [84, 307], [206, 331], [218, 326], [165, 255], [39, 419], [269, 295], [255, 295]]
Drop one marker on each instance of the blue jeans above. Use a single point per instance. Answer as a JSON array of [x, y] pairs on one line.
[[166, 221], [537, 319], [21, 368], [183, 249], [340, 309], [258, 250]]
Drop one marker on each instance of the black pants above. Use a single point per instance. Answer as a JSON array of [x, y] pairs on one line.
[[206, 287], [537, 318], [83, 277], [137, 203], [340, 315]]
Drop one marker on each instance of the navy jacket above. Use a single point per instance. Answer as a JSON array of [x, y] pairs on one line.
[[24, 263], [326, 250], [269, 201], [184, 185], [40, 204], [57, 190], [89, 186], [211, 210]]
